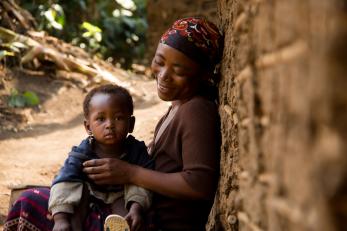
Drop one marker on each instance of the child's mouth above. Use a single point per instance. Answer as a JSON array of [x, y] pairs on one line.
[[110, 135]]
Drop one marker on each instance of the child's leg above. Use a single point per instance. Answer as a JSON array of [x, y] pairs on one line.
[[80, 213], [118, 207], [116, 221]]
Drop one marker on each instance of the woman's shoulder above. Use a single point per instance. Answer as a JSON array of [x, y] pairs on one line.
[[198, 108], [199, 104]]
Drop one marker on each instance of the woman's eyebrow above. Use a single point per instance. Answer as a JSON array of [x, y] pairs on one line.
[[179, 65], [160, 55]]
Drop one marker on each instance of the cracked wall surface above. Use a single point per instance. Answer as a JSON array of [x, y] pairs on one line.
[[283, 109]]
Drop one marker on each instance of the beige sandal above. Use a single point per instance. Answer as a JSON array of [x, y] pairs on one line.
[[116, 223]]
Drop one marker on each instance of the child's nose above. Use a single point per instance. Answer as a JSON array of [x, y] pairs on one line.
[[110, 123]]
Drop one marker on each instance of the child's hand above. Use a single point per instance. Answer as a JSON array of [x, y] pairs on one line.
[[61, 223], [134, 216]]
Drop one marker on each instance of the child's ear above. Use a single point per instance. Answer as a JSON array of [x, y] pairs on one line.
[[131, 124], [86, 126]]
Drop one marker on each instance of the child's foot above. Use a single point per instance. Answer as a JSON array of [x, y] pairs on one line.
[[116, 223]]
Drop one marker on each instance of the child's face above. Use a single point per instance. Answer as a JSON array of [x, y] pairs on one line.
[[109, 119]]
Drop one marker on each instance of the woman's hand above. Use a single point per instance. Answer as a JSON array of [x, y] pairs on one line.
[[108, 171], [134, 217]]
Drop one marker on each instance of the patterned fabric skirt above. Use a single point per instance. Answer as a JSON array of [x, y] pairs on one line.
[[30, 213]]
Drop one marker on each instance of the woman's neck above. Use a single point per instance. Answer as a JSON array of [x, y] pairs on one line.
[[108, 151], [181, 101]]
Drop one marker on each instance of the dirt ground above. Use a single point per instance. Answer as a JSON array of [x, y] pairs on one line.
[[35, 141]]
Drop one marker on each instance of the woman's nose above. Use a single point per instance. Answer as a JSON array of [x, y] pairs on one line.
[[164, 74]]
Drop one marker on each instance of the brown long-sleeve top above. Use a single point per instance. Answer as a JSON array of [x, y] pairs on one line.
[[190, 144]]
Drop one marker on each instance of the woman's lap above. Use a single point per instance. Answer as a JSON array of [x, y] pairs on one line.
[[30, 212]]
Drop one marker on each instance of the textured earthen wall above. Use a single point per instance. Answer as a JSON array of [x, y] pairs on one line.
[[162, 13], [283, 110]]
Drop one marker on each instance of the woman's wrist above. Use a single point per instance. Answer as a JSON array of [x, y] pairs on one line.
[[132, 173]]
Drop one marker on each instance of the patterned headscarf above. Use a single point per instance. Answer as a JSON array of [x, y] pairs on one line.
[[197, 38]]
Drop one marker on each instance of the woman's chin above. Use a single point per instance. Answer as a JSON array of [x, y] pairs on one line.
[[163, 94], [164, 97]]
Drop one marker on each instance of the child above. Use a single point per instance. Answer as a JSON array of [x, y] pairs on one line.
[[75, 201]]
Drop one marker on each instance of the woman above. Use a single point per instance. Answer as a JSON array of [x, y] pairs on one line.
[[186, 142], [187, 138]]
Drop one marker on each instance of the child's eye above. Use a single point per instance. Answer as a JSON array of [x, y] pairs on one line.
[[101, 119], [119, 118]]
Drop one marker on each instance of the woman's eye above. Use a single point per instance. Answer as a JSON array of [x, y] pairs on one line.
[[180, 73], [159, 62]]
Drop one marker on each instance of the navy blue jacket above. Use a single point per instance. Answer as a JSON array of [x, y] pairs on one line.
[[135, 153]]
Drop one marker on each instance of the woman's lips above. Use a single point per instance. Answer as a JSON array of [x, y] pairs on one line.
[[164, 88]]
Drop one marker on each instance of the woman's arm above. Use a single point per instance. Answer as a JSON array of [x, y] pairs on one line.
[[114, 171], [169, 184]]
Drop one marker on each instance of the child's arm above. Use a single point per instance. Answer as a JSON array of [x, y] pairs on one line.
[[134, 193], [61, 222], [134, 216], [64, 196], [137, 200]]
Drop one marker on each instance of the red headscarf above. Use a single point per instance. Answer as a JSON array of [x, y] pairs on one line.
[[197, 38]]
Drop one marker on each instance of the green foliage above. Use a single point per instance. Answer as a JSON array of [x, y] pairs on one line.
[[114, 30], [28, 98], [4, 53], [54, 16], [93, 35], [10, 49]]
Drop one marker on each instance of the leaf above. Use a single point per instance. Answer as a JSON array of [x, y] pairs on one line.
[[98, 37], [4, 53], [28, 98], [10, 46], [51, 17], [31, 99], [90, 27], [130, 22], [14, 49], [86, 34], [19, 45], [16, 101]]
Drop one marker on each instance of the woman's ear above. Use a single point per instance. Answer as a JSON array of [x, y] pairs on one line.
[[131, 124], [206, 75]]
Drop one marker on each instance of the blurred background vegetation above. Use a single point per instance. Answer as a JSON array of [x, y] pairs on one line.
[[114, 30]]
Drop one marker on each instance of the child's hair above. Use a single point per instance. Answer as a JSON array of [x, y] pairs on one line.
[[109, 89]]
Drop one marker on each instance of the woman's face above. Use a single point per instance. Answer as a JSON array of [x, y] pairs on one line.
[[177, 75]]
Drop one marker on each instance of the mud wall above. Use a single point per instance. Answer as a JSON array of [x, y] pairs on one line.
[[283, 110], [162, 13]]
